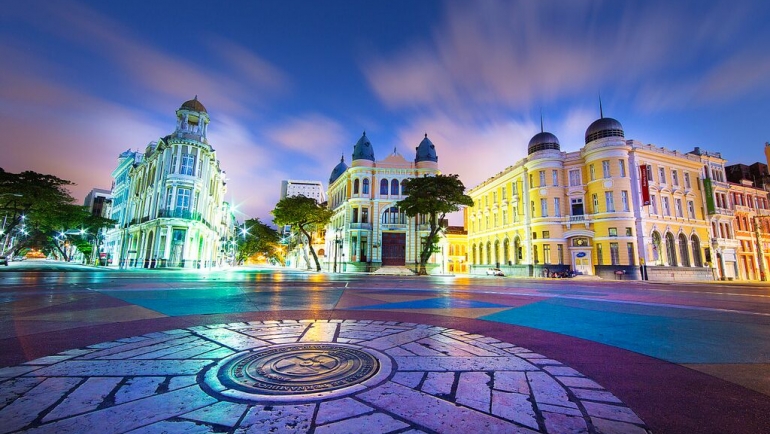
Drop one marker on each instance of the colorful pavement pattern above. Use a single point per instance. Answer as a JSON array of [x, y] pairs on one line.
[[664, 366], [440, 380]]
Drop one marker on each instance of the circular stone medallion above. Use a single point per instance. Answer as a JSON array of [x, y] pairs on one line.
[[292, 371]]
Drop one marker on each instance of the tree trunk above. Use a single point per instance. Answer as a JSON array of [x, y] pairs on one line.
[[312, 250]]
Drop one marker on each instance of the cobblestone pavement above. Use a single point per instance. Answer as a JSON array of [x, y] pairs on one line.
[[432, 379]]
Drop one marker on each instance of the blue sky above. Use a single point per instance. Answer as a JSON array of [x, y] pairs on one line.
[[291, 85]]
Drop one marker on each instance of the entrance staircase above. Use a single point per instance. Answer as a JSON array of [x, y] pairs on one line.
[[392, 270]]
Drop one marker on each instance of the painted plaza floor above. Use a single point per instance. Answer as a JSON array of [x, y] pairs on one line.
[[148, 353]]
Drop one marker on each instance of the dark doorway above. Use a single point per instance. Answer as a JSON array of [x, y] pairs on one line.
[[393, 249]]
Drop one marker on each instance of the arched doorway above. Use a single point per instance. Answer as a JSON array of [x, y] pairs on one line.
[[517, 253], [148, 259], [497, 253], [506, 252], [697, 260], [671, 250], [683, 253]]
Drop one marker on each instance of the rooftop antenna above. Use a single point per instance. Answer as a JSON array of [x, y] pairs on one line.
[[601, 112], [541, 120]]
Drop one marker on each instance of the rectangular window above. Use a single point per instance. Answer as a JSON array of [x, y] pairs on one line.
[[504, 196], [364, 215], [666, 207], [630, 250], [544, 207], [355, 215], [188, 165], [678, 207], [591, 172], [555, 178], [574, 177], [542, 178], [547, 254], [614, 254], [514, 188], [595, 200], [546, 234], [624, 200], [173, 164], [654, 203], [494, 197], [613, 232], [505, 217], [560, 253], [675, 178], [183, 199], [556, 207], [532, 203], [622, 168], [606, 168], [629, 233], [599, 256], [649, 172], [609, 201], [686, 180], [662, 175]]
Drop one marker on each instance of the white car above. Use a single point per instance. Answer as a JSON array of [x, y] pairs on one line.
[[495, 272]]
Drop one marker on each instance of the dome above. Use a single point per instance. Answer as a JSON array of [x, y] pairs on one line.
[[542, 141], [426, 151], [339, 169], [604, 127], [363, 149], [193, 105]]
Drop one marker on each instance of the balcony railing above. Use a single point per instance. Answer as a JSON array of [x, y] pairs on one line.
[[723, 211], [367, 226], [180, 214], [393, 227]]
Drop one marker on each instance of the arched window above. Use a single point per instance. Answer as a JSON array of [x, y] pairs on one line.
[[366, 186], [394, 187], [356, 184], [697, 260], [497, 252], [517, 253], [506, 252], [473, 256], [403, 187], [683, 253], [393, 216], [489, 252], [671, 250], [656, 253], [384, 187]]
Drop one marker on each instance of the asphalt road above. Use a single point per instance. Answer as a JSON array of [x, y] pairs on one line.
[[657, 346]]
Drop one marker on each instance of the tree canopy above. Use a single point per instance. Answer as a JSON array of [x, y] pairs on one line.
[[257, 238], [433, 197], [304, 214]]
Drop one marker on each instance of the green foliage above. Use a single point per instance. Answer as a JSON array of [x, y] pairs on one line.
[[433, 197], [258, 238], [304, 214]]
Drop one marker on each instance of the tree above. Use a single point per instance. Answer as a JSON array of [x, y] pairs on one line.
[[433, 197], [258, 238], [306, 215]]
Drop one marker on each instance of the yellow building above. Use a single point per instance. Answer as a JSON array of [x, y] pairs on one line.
[[588, 211]]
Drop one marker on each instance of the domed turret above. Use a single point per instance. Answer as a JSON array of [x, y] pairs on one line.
[[193, 105], [363, 149], [339, 169], [542, 141], [604, 127], [426, 151]]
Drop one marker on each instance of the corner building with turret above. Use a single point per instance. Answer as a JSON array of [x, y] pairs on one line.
[[604, 210], [368, 230]]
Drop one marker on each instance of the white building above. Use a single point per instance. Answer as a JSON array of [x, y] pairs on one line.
[[169, 204], [367, 230], [312, 189]]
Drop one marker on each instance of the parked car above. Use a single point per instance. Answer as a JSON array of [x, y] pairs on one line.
[[495, 272], [4, 260]]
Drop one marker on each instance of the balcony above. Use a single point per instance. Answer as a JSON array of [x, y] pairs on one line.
[[723, 211], [393, 227], [367, 226], [576, 219], [180, 214]]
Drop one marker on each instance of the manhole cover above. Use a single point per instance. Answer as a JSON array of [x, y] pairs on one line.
[[294, 371]]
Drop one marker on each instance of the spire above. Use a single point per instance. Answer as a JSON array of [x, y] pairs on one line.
[[342, 159], [426, 135], [541, 121], [601, 112]]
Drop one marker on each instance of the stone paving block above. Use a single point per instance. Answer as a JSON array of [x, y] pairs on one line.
[[439, 383], [595, 395], [87, 397], [12, 389], [558, 409], [222, 413], [445, 348], [398, 351], [514, 406], [15, 371], [132, 339], [231, 339], [320, 332], [135, 388], [27, 408], [401, 338], [546, 390], [219, 353], [373, 423], [475, 348], [194, 350], [122, 368], [148, 351], [545, 362], [563, 423], [463, 364], [604, 426], [49, 360], [562, 371], [339, 409], [511, 381], [103, 345], [181, 381], [131, 415], [474, 390], [77, 352], [585, 383], [174, 427], [286, 419], [612, 412], [434, 413], [127, 346], [422, 350], [409, 379]]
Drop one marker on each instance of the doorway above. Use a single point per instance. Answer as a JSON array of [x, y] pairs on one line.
[[581, 262], [394, 249]]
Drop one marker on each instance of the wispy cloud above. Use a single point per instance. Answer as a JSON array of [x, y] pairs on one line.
[[314, 135]]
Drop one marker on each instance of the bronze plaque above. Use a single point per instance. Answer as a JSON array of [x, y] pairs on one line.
[[298, 369]]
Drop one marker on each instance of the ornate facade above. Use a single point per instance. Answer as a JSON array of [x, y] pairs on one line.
[[367, 230], [174, 214]]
